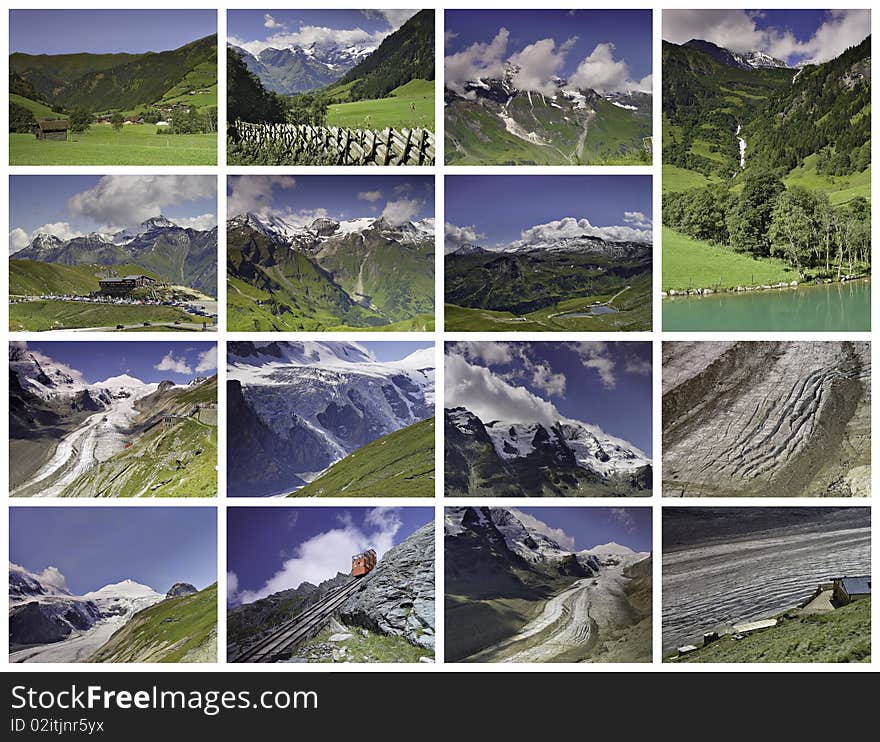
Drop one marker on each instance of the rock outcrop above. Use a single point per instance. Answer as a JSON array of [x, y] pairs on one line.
[[398, 596], [179, 589]]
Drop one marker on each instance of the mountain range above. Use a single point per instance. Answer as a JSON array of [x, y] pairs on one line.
[[491, 122], [300, 407], [102, 82], [302, 68], [175, 254], [120, 437], [529, 459], [502, 570], [366, 273], [49, 624], [715, 101], [550, 284]]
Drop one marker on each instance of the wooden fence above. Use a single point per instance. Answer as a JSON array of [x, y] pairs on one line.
[[352, 146]]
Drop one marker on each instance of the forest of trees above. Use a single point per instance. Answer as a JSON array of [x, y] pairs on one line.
[[767, 219]]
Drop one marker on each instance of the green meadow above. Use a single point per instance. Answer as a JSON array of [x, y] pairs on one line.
[[137, 144], [409, 106]]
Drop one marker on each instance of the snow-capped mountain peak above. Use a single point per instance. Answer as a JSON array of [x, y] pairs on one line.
[[128, 589]]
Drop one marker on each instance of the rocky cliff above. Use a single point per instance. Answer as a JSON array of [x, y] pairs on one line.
[[398, 596]]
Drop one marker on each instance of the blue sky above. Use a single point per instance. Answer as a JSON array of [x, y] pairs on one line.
[[304, 198], [148, 361], [277, 548], [500, 207], [614, 46], [796, 36], [70, 205], [605, 384], [256, 30], [107, 31], [586, 527], [97, 546], [393, 350]]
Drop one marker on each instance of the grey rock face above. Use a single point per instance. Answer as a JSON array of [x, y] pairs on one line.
[[398, 596], [180, 588]]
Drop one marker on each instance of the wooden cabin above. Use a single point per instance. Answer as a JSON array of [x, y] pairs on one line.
[[52, 129], [848, 589]]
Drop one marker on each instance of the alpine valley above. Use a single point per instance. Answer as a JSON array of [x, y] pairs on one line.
[[367, 273], [54, 282], [329, 419], [767, 186], [120, 622], [540, 284], [119, 437], [514, 594]]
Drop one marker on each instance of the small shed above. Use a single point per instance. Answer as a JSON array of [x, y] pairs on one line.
[[52, 129], [848, 589]]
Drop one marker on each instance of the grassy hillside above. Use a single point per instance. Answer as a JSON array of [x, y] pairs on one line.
[[101, 82], [843, 635], [400, 464], [403, 56], [41, 315], [40, 110], [33, 278], [178, 460], [100, 145], [363, 646], [395, 111], [180, 629], [690, 263]]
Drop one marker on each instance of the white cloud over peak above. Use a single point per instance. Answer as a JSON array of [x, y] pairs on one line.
[[120, 201], [539, 64], [455, 236], [324, 555], [207, 360], [254, 192], [569, 227], [371, 196], [637, 219], [557, 534], [401, 211], [479, 60], [605, 74], [270, 22], [202, 221], [20, 239], [738, 30], [175, 365]]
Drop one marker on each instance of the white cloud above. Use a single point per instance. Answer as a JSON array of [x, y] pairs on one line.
[[477, 61], [254, 192], [401, 211], [603, 73], [637, 219], [449, 36], [371, 196], [175, 365], [738, 31], [202, 222], [322, 556], [539, 64], [304, 217], [125, 200], [18, 240], [557, 534], [597, 357], [270, 22], [490, 397], [638, 365], [548, 381], [455, 236], [570, 227], [207, 360]]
